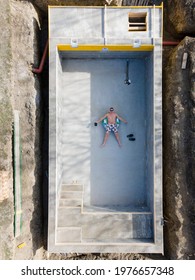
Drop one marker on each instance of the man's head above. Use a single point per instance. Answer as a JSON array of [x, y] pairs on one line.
[[111, 109]]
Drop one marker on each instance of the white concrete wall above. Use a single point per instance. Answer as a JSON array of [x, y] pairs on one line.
[[90, 22], [149, 133], [59, 125]]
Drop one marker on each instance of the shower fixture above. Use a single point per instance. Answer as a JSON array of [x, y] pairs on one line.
[[127, 80]]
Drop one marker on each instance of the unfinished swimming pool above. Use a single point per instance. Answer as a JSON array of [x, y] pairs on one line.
[[88, 85], [105, 199]]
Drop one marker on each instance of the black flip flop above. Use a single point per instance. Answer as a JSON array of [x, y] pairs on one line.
[[130, 135]]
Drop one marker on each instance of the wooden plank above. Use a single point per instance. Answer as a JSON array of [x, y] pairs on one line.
[[137, 28], [184, 60], [17, 175]]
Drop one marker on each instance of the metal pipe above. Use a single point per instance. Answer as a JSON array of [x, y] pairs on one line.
[[170, 43], [40, 69], [105, 18], [17, 176], [127, 80]]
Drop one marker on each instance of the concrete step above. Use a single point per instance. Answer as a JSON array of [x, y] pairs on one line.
[[70, 202], [69, 217], [105, 226], [118, 240], [109, 227], [71, 195], [72, 187]]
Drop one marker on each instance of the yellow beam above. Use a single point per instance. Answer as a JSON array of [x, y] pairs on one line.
[[103, 47]]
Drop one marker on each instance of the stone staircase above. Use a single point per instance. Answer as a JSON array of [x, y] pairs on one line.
[[76, 226]]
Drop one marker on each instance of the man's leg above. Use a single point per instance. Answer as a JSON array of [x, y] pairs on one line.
[[117, 138], [105, 138]]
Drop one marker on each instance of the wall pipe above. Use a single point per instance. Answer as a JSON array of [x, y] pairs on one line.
[[170, 43], [40, 69]]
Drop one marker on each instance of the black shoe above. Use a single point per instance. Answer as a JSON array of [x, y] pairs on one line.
[[130, 135], [131, 139]]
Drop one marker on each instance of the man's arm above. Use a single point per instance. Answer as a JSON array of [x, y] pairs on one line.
[[101, 119], [121, 119]]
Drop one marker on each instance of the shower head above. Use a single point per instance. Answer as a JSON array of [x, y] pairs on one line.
[[127, 82]]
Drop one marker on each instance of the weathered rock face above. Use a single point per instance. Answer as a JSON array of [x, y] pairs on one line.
[[6, 118], [26, 100], [19, 90], [179, 153], [43, 4], [180, 16]]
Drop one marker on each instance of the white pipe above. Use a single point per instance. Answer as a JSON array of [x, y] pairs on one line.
[[17, 176], [154, 14], [105, 18]]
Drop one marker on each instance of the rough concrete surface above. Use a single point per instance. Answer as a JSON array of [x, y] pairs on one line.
[[43, 4], [20, 90]]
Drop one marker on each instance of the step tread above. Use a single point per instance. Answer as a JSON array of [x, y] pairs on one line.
[[71, 187]]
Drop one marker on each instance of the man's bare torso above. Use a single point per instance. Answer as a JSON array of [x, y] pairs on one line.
[[111, 117]]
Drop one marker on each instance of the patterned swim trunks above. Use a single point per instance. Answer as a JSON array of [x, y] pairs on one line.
[[111, 127]]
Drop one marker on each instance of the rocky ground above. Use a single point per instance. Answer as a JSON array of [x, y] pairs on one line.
[[22, 43]]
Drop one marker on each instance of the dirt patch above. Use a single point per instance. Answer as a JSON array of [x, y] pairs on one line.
[[180, 16], [21, 90], [27, 100], [179, 134], [6, 117]]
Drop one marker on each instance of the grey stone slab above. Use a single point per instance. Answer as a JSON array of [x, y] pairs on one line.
[[68, 211], [115, 209], [91, 22], [68, 235], [75, 21], [108, 226], [116, 241], [71, 188], [71, 202], [69, 220], [71, 195], [133, 246]]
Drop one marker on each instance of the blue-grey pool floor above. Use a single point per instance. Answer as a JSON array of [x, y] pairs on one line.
[[89, 88], [109, 181]]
